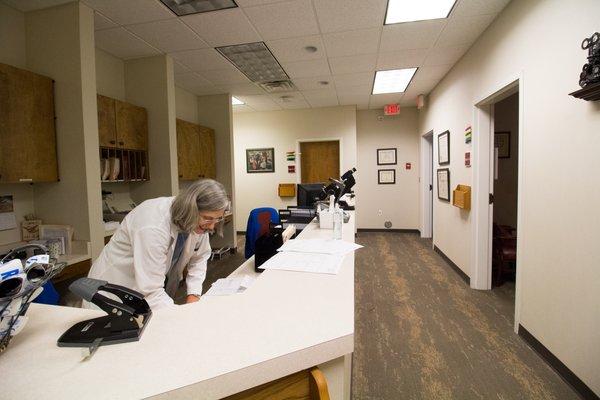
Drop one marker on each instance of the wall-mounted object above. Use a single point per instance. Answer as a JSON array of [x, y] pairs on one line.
[[468, 159], [386, 176], [27, 130], [420, 101], [386, 156], [408, 165], [589, 78], [260, 160], [391, 109], [291, 169], [468, 134], [290, 156], [461, 197], [444, 148], [443, 184], [287, 190], [502, 143]]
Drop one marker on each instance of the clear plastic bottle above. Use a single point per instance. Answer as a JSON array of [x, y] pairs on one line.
[[338, 220]]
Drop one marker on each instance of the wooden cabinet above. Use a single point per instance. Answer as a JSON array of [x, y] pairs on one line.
[[195, 151], [121, 124], [27, 130], [107, 127]]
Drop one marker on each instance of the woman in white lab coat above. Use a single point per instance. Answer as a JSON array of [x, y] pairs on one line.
[[158, 238]]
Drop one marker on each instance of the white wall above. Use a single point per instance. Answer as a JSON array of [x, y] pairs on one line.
[[398, 203], [110, 75], [540, 41], [186, 105], [506, 119], [282, 130]]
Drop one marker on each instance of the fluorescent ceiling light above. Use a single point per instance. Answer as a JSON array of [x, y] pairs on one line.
[[255, 60], [392, 81], [236, 102], [187, 7], [417, 10]]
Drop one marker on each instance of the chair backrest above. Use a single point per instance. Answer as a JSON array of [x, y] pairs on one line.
[[258, 224]]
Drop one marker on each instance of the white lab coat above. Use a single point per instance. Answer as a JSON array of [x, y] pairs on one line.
[[140, 251]]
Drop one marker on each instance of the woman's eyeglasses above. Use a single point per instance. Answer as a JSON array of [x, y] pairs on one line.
[[210, 220]]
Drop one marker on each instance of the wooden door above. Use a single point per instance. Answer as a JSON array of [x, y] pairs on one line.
[[207, 153], [27, 131], [188, 150], [107, 128], [319, 161], [132, 126]]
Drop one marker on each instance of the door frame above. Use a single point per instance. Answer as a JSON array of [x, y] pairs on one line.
[[482, 211], [299, 154], [425, 177]]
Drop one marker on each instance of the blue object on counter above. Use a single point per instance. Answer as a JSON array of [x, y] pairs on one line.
[[48, 296]]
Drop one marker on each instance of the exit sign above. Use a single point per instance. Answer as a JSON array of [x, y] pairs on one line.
[[391, 109]]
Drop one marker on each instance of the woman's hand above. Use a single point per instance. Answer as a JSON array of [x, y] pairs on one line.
[[192, 298]]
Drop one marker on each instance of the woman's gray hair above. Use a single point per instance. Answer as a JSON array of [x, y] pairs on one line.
[[202, 195]]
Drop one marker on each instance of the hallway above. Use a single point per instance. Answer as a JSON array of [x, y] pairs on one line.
[[422, 333]]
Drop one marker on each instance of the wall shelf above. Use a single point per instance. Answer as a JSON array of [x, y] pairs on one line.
[[589, 93]]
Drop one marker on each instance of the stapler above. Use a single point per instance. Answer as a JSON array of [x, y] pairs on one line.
[[125, 321]]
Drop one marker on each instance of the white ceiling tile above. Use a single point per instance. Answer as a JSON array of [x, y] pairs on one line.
[[224, 76], [401, 59], [322, 94], [223, 28], [239, 89], [131, 11], [464, 30], [290, 100], [351, 91], [240, 108], [364, 41], [190, 79], [252, 3], [122, 44], [359, 79], [179, 68], [354, 99], [408, 101], [202, 59], [352, 64], [295, 105], [445, 55], [345, 15], [102, 22], [431, 73], [293, 49], [417, 87], [260, 103], [284, 20], [168, 35], [410, 35], [306, 69], [380, 100], [313, 83], [467, 8], [206, 90]]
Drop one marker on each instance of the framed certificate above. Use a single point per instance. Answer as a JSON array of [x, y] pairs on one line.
[[443, 184], [386, 156], [444, 148], [386, 176]]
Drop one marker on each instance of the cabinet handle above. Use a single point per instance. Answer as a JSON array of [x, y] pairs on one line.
[[181, 176], [121, 143], [112, 142]]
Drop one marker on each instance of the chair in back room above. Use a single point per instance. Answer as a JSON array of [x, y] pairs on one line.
[[258, 224]]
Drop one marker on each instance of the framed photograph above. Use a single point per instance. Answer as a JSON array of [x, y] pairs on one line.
[[386, 176], [444, 148], [443, 184], [502, 142], [386, 156], [260, 160]]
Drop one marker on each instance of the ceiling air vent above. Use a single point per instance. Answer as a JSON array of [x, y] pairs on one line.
[[256, 61], [278, 86]]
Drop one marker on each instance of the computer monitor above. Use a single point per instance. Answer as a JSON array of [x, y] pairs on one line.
[[309, 193]]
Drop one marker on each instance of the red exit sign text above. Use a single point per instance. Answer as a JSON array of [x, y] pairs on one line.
[[391, 109]]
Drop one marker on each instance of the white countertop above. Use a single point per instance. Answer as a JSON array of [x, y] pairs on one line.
[[285, 322]]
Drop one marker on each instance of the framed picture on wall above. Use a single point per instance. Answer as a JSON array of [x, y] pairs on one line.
[[444, 148], [443, 184], [260, 160], [386, 176], [386, 156], [502, 142]]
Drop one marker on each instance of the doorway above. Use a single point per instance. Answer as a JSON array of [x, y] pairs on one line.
[[426, 180], [490, 154], [319, 161]]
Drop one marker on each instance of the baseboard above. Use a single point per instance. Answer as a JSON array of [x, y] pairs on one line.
[[455, 267], [389, 230], [561, 369]]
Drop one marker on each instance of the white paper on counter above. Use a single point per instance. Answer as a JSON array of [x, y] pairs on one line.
[[305, 262], [228, 286], [322, 246]]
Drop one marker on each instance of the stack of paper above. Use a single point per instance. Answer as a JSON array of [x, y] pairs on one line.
[[227, 286], [323, 256]]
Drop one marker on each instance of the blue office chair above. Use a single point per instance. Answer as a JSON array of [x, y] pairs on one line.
[[258, 224]]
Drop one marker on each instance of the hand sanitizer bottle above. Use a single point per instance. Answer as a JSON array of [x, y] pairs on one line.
[[338, 220]]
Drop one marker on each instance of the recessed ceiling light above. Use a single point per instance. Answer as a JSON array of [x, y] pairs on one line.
[[187, 7], [407, 11], [255, 60], [236, 102], [392, 81], [311, 49]]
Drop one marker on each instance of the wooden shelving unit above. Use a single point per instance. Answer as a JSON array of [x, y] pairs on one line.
[[133, 164]]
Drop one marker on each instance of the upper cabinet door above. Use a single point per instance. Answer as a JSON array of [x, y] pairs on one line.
[[27, 131], [207, 153], [132, 126], [107, 127], [188, 150]]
